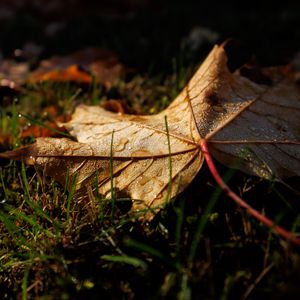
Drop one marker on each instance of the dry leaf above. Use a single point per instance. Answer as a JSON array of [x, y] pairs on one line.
[[153, 161], [240, 118], [71, 73], [79, 67]]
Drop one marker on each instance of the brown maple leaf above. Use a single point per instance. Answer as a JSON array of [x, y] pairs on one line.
[[153, 158]]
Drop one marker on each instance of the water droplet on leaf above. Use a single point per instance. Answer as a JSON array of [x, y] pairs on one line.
[[159, 172], [121, 145], [148, 189], [254, 130], [144, 179]]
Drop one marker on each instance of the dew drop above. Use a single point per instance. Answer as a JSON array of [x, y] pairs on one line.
[[254, 130], [160, 183], [141, 153], [159, 172], [178, 157], [272, 132], [121, 145], [143, 180], [284, 128], [148, 189], [31, 160]]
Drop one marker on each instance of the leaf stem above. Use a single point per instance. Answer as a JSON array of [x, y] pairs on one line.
[[250, 210]]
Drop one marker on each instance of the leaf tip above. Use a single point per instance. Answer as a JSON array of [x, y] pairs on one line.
[[19, 154]]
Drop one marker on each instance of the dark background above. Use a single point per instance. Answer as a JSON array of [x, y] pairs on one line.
[[149, 34]]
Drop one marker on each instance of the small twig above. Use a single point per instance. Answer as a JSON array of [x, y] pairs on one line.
[[250, 210], [257, 280], [112, 242], [209, 269]]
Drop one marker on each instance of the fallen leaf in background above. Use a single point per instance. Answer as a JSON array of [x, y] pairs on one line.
[[80, 67], [13, 74], [156, 157], [118, 106], [71, 73], [49, 129], [5, 138]]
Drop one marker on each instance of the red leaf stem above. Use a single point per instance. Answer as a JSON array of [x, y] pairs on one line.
[[250, 210]]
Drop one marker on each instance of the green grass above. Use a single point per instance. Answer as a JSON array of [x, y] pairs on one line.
[[201, 246]]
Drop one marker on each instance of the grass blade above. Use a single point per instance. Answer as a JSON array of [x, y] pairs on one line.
[[129, 260], [42, 124], [151, 251], [111, 176]]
